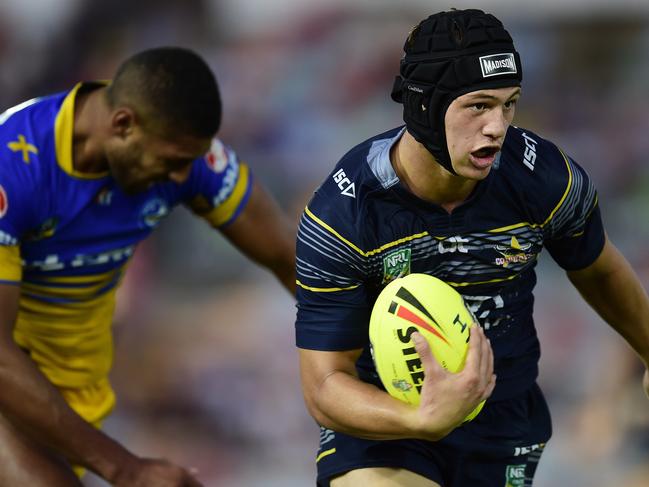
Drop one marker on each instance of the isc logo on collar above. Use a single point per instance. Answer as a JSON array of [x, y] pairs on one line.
[[496, 64]]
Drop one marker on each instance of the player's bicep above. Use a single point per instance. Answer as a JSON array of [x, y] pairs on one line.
[[317, 366], [609, 260]]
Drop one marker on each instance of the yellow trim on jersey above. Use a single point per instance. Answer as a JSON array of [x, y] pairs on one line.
[[333, 232], [83, 292], [222, 213], [325, 453], [397, 242], [354, 247], [552, 213], [565, 193], [11, 268], [325, 289], [512, 227], [463, 284], [63, 132]]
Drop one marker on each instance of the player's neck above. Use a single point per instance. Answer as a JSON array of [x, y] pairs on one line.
[[89, 112], [425, 178]]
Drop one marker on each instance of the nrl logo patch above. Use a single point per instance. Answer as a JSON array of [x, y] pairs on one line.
[[496, 64], [396, 264], [515, 476]]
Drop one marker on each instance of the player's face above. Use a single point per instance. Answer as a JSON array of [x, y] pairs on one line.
[[143, 158], [476, 124]]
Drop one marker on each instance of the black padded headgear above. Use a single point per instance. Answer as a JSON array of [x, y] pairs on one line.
[[448, 55]]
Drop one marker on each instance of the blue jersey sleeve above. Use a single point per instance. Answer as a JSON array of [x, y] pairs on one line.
[[219, 185], [19, 178], [333, 302], [574, 232], [19, 188], [11, 227]]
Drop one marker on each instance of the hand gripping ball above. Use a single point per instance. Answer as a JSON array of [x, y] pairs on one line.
[[422, 303]]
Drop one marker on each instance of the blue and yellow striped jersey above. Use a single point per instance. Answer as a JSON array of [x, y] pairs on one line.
[[363, 228], [66, 237]]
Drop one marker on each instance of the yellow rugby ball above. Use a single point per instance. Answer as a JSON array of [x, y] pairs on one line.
[[422, 303]]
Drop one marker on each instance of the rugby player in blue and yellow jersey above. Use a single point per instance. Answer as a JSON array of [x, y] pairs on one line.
[[86, 175], [461, 194]]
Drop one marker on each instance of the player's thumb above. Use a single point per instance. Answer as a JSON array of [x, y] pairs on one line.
[[428, 362]]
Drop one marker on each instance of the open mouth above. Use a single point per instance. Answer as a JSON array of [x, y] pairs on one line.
[[485, 152], [484, 157]]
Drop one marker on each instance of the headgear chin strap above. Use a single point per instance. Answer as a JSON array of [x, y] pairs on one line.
[[446, 56]]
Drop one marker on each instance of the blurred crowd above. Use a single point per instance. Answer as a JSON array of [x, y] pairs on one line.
[[205, 365]]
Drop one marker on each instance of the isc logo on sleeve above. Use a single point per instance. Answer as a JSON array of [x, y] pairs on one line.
[[346, 186], [529, 156]]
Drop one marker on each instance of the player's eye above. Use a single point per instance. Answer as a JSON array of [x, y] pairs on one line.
[[510, 104], [479, 107]]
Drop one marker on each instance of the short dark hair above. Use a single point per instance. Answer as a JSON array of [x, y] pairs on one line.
[[172, 86]]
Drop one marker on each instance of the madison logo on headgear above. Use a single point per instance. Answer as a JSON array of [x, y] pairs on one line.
[[496, 64], [4, 202]]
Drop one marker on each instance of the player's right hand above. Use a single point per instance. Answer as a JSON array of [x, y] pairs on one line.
[[148, 472], [448, 398]]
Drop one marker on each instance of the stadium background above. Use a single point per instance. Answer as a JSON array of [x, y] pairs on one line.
[[205, 365]]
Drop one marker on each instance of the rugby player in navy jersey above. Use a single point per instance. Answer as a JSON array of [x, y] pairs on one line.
[[461, 194], [87, 174]]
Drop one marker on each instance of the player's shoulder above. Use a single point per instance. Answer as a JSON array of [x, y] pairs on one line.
[[532, 153], [27, 143], [365, 170], [35, 115], [535, 166]]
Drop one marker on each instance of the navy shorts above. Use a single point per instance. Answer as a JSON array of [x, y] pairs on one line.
[[501, 447]]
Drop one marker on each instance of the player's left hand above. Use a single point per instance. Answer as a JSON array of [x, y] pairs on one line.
[[645, 381]]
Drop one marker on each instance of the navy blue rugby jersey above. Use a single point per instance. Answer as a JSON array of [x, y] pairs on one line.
[[362, 229]]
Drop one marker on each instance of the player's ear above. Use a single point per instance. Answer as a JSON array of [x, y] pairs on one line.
[[123, 121]]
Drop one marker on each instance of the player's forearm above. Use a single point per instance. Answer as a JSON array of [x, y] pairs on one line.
[[286, 275], [346, 404], [619, 298], [36, 407], [281, 261]]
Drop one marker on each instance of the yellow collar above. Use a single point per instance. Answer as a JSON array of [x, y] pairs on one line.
[[63, 134]]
